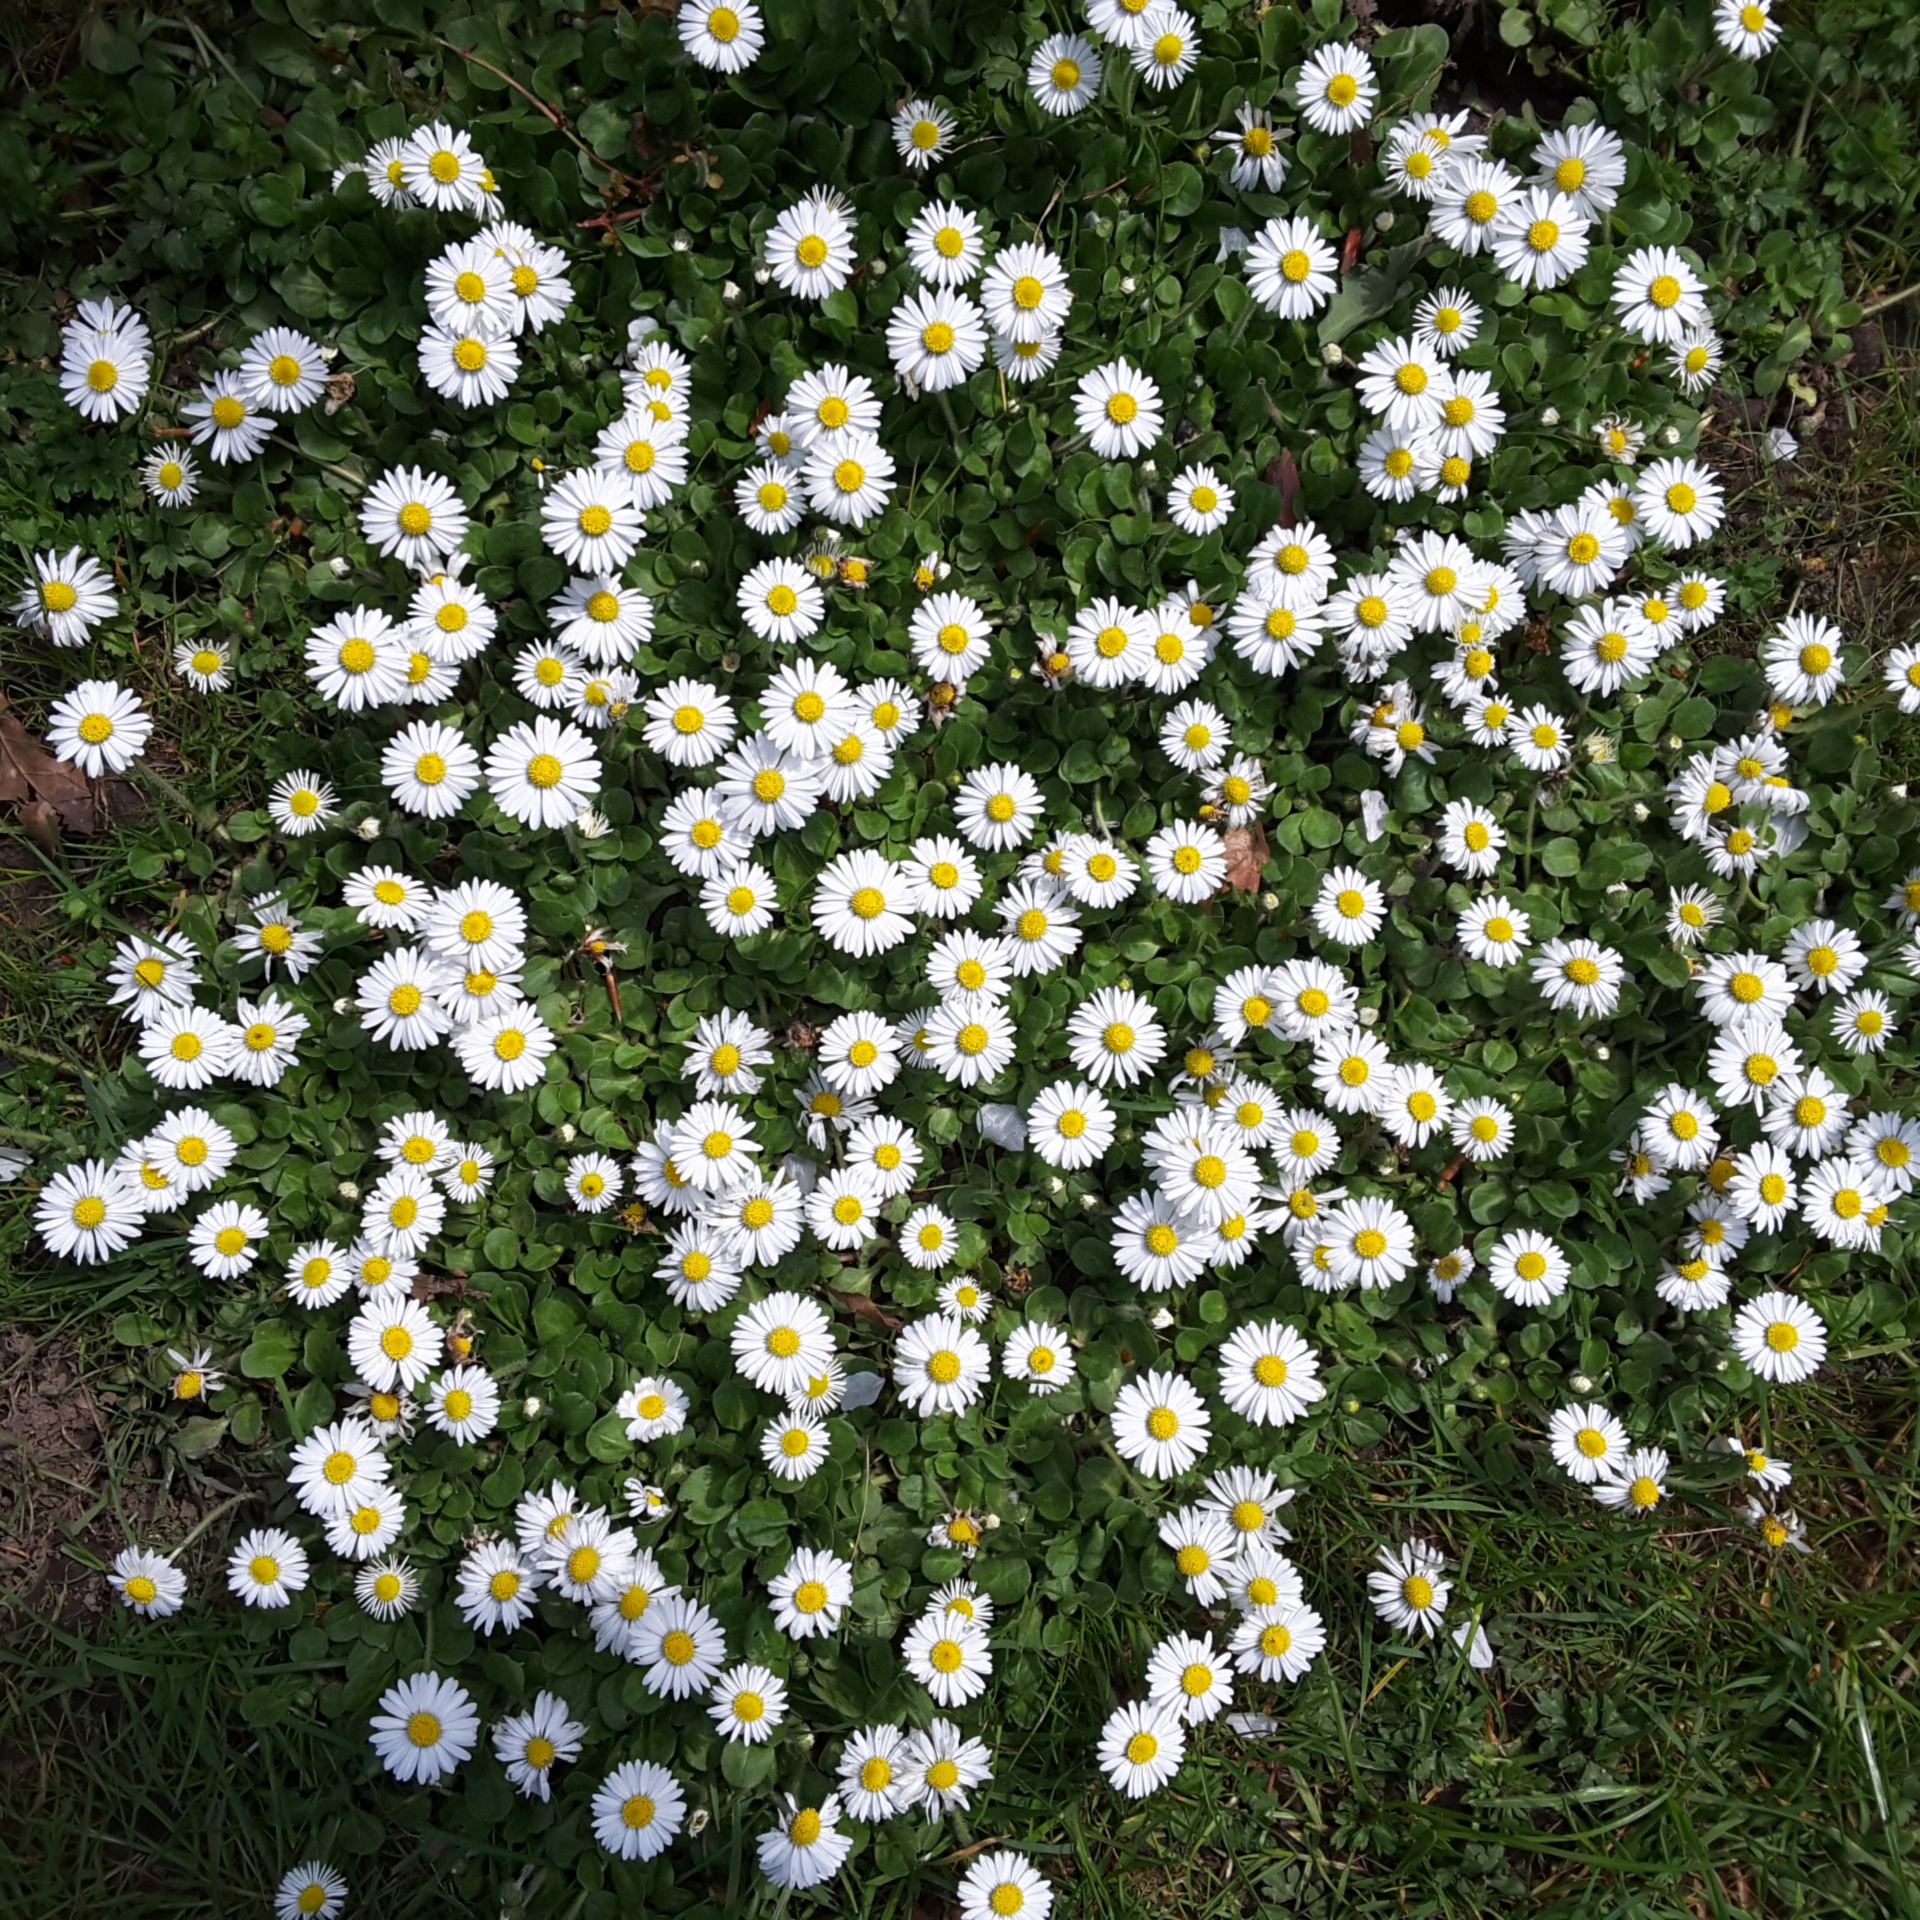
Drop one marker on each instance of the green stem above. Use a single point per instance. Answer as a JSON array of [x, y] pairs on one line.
[[207, 1520]]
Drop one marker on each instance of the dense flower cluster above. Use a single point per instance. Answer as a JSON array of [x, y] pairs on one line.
[[1211, 1141]]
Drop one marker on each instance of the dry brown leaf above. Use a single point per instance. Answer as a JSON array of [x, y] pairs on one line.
[[865, 1307], [1246, 856]]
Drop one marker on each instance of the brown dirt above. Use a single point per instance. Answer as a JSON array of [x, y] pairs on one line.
[[57, 1517]]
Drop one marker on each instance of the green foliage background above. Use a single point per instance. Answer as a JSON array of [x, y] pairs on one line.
[[1665, 1712]]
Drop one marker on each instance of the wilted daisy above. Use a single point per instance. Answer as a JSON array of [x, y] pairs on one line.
[[1257, 159]]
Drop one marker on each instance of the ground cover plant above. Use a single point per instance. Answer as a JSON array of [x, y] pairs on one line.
[[962, 961]]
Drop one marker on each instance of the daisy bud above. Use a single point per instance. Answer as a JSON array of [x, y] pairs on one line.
[[1580, 1383], [1674, 743], [1352, 1406], [877, 269], [1129, 284], [348, 1190], [1056, 1185], [761, 275], [1671, 435], [697, 1820], [344, 1004], [682, 243], [1549, 416], [1639, 811], [1603, 1053], [698, 568], [730, 293], [1899, 790], [1384, 220], [530, 1407], [1269, 901], [341, 566], [568, 1133], [1163, 1320], [1332, 355], [371, 828], [1369, 1016]]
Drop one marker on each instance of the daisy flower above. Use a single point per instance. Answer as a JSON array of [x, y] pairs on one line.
[[1040, 1354], [1637, 1484], [1780, 1338], [1257, 159], [1336, 89], [100, 727], [639, 1807], [1141, 1748], [1188, 1679], [267, 1567], [944, 244], [591, 520], [807, 1847], [310, 1891], [1063, 74], [1746, 28], [531, 1744], [724, 36], [1025, 293], [809, 249], [105, 361], [1579, 975], [149, 1584], [1540, 238], [1409, 1590], [424, 1727], [1160, 1424], [811, 1593], [224, 423]]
